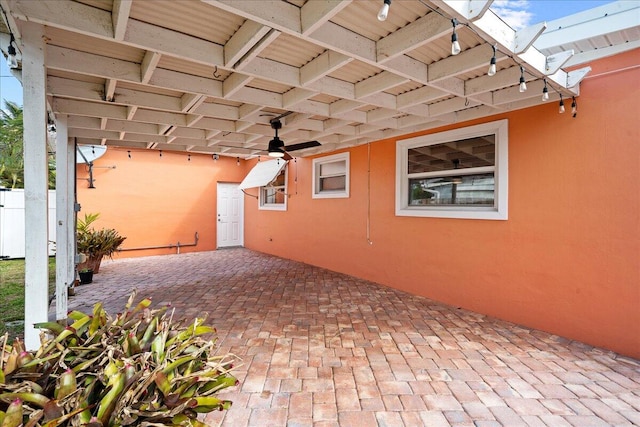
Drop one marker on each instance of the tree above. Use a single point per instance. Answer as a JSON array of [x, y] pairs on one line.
[[12, 148]]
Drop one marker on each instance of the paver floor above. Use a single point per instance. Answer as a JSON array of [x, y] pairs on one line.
[[325, 349]]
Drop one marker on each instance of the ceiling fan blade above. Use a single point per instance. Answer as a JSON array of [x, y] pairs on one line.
[[287, 156], [302, 145]]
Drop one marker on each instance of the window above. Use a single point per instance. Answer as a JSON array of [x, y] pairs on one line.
[[274, 196], [331, 176], [461, 173]]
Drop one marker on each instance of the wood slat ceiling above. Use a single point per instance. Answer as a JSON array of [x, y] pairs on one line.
[[197, 75]]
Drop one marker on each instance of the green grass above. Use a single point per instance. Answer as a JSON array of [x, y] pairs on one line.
[[12, 294]]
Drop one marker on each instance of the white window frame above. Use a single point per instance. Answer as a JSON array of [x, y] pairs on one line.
[[499, 211], [316, 167], [262, 205]]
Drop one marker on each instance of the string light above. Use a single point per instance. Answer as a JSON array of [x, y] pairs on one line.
[[189, 158], [561, 105], [545, 91], [160, 153], [384, 10], [523, 83], [129, 153], [12, 61], [215, 157], [574, 107], [237, 161], [492, 63], [455, 46]]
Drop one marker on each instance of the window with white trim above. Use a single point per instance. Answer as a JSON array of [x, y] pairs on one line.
[[274, 196], [462, 173], [331, 176]]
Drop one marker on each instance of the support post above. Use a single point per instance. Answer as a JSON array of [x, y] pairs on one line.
[[35, 182], [65, 215]]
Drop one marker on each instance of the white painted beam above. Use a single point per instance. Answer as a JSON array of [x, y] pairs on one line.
[[256, 49], [65, 215], [378, 83], [320, 66], [420, 32], [247, 36], [149, 64], [314, 14], [599, 21], [110, 89], [35, 182], [234, 83], [464, 62], [75, 16], [120, 17]]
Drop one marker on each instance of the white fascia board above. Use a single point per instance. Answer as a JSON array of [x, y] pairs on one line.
[[262, 174]]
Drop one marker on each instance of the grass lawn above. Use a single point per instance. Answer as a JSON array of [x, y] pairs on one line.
[[12, 294]]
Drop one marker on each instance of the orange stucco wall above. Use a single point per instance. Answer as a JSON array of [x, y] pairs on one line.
[[155, 200], [566, 261]]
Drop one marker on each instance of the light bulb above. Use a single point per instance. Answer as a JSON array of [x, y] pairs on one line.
[[237, 161], [492, 67], [384, 10], [455, 46], [561, 105], [545, 92], [523, 85], [574, 107]]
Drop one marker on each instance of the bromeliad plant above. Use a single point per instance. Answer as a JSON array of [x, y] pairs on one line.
[[96, 244], [139, 368]]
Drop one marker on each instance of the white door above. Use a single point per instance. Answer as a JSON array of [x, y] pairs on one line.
[[230, 215]]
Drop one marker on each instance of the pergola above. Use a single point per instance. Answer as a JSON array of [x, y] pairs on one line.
[[208, 76]]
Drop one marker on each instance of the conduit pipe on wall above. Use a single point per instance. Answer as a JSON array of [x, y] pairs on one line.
[[169, 246]]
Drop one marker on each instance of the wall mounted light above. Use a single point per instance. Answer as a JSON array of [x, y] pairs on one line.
[[523, 83], [492, 63], [455, 46], [12, 61], [384, 10], [545, 91]]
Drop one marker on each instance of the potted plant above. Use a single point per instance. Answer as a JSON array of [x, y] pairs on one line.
[[86, 276], [96, 244]]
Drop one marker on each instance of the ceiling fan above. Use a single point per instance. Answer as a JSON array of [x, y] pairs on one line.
[[276, 147]]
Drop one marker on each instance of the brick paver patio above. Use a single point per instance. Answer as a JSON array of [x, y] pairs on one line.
[[325, 349]]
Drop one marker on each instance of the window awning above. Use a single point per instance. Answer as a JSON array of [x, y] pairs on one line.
[[262, 174]]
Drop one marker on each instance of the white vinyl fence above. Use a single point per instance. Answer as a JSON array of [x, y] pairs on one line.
[[12, 225]]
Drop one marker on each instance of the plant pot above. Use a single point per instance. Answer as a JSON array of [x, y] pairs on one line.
[[86, 277]]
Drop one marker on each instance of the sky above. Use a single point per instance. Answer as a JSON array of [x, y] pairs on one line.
[[517, 13]]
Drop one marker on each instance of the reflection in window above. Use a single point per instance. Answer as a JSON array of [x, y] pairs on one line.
[[471, 190]]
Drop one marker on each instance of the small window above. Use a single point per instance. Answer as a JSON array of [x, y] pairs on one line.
[[456, 174], [331, 176], [274, 196]]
